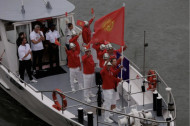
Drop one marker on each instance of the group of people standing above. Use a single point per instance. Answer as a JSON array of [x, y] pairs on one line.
[[108, 63], [105, 53], [30, 57]]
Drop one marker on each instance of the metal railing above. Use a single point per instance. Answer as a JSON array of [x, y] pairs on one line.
[[99, 108]]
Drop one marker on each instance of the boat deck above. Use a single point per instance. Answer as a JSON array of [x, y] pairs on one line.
[[61, 81]]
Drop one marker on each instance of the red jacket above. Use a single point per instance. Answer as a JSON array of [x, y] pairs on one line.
[[86, 32], [73, 58], [109, 81], [100, 57], [119, 50], [88, 64], [116, 70], [74, 40]]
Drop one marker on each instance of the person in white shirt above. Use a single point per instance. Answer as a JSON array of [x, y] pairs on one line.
[[25, 62], [53, 49], [68, 31], [36, 36]]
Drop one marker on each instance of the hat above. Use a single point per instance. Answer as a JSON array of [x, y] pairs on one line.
[[109, 46], [86, 23], [102, 47], [106, 56], [109, 64], [72, 45]]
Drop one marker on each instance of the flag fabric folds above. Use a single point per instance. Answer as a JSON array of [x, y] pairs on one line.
[[110, 27], [80, 23], [125, 74]]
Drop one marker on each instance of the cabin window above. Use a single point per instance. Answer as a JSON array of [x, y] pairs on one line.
[[9, 27], [0, 38], [23, 28]]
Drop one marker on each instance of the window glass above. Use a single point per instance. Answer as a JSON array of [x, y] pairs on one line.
[[9, 27]]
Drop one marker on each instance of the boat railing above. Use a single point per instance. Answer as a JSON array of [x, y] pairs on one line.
[[171, 98]]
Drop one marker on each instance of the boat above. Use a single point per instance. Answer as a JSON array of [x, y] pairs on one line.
[[137, 103]]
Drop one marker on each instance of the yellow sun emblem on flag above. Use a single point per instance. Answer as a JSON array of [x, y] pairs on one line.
[[80, 23], [108, 25]]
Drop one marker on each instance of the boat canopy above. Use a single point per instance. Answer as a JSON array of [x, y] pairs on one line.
[[25, 10]]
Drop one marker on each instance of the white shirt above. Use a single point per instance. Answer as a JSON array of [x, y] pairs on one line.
[[35, 36], [51, 36], [68, 33], [23, 50]]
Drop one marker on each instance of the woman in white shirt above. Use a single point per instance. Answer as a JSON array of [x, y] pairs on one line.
[[25, 62]]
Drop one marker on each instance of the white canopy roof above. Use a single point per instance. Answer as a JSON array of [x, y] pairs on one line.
[[11, 10]]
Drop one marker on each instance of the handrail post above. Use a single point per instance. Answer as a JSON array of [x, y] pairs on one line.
[[62, 105], [42, 95]]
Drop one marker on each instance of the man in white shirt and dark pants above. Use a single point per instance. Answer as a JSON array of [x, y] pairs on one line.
[[51, 36], [36, 36], [25, 62]]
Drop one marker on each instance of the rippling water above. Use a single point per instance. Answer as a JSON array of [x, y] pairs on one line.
[[13, 113]]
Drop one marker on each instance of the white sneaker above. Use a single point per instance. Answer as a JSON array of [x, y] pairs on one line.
[[73, 90], [75, 81], [92, 95], [117, 109], [87, 100], [108, 120], [33, 81]]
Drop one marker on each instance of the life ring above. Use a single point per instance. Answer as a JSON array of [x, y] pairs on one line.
[[57, 105], [152, 80]]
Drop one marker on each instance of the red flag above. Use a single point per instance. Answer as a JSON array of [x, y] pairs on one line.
[[92, 11], [110, 27], [66, 14], [80, 23], [57, 42]]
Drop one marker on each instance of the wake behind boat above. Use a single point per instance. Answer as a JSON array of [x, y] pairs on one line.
[[139, 103]]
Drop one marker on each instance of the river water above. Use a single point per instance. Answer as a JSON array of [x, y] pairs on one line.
[[166, 23]]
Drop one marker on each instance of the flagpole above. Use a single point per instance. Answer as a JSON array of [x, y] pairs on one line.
[[122, 68]]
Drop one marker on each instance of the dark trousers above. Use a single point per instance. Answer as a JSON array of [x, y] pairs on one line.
[[25, 65], [37, 55], [53, 52]]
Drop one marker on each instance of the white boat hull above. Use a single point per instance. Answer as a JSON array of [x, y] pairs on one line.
[[33, 102]]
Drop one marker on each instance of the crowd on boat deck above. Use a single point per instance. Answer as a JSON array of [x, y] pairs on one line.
[[99, 56]]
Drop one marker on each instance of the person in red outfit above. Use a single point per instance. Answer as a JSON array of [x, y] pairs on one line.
[[88, 73], [74, 65], [101, 56], [74, 39], [115, 70], [86, 32], [109, 84], [111, 50]]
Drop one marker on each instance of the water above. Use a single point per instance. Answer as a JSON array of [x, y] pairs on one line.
[[13, 113], [166, 23]]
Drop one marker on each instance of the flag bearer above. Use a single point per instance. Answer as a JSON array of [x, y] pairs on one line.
[[115, 70], [108, 86], [86, 32], [53, 49], [88, 73], [74, 65]]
